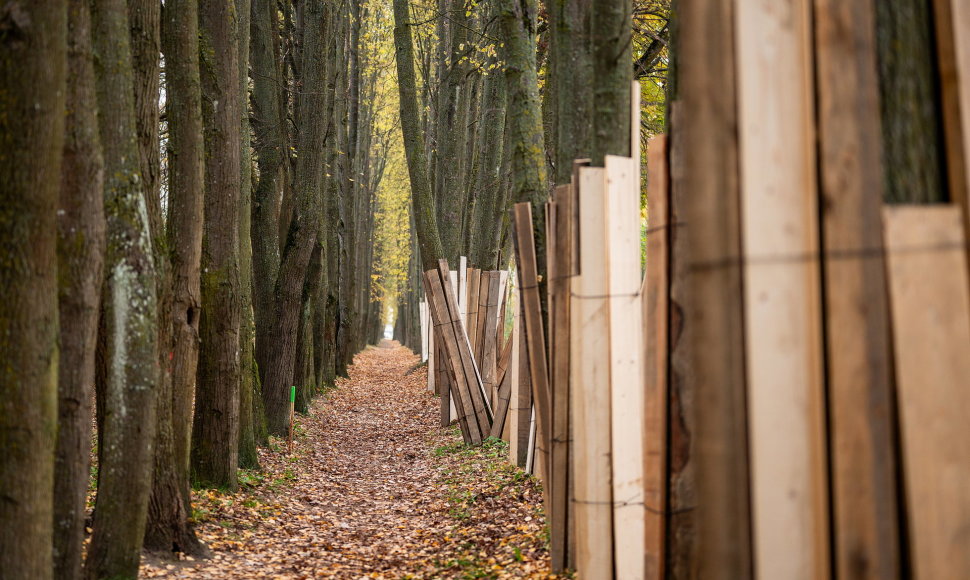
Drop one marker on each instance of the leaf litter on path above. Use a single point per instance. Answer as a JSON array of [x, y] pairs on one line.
[[374, 488]]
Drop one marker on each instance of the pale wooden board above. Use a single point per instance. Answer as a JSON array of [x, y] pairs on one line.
[[626, 363], [451, 356], [521, 402], [857, 343], [423, 320], [656, 309], [590, 384], [926, 255], [462, 286], [782, 310]]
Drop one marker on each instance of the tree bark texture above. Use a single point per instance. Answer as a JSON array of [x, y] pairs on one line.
[[422, 201], [571, 80], [127, 423], [215, 433], [80, 249], [612, 47], [33, 72], [303, 230]]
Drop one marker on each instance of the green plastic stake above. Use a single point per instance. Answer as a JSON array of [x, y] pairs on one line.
[[292, 394]]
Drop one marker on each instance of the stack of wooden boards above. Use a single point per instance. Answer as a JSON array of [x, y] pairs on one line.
[[470, 357]]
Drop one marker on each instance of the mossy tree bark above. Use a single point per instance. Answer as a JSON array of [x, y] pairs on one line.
[[215, 432], [80, 270], [422, 201], [913, 145], [32, 73], [611, 31], [127, 395], [571, 83], [489, 198], [248, 377], [178, 247], [304, 225]]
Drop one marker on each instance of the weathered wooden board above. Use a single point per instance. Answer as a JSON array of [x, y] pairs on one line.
[[656, 309], [857, 343], [521, 400], [956, 96], [534, 332], [451, 356], [559, 267], [489, 335], [590, 383], [504, 397], [782, 307], [626, 363], [926, 254]]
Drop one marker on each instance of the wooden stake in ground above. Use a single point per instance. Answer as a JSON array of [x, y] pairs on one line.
[[289, 438]]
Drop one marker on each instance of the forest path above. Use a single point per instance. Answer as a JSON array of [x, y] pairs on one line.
[[373, 489]]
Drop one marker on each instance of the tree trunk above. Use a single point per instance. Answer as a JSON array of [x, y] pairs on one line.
[[168, 529], [518, 25], [571, 80], [248, 377], [303, 230], [488, 193], [127, 423], [911, 114], [422, 202], [268, 125], [80, 247], [33, 71], [612, 22], [215, 432]]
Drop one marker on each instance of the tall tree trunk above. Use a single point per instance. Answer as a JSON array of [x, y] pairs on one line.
[[168, 529], [80, 248], [911, 114], [422, 202], [571, 81], [303, 230], [268, 125], [248, 377], [612, 45], [518, 49], [489, 196], [215, 432], [127, 396], [33, 71]]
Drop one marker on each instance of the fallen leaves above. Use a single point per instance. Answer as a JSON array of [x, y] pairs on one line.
[[374, 489]]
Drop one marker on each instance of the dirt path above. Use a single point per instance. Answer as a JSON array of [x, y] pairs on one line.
[[374, 489]]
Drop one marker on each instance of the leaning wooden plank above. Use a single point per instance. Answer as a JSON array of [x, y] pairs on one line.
[[959, 19], [521, 402], [559, 266], [926, 254], [782, 307], [525, 252], [490, 335], [590, 384], [484, 288], [472, 378], [422, 320], [450, 355], [656, 308], [626, 363], [462, 287], [502, 405], [471, 317], [432, 339], [858, 365]]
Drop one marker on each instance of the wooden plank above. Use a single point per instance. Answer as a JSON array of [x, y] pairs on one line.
[[473, 379], [959, 18], [422, 320], [484, 288], [490, 336], [782, 307], [504, 398], [471, 318], [655, 312], [590, 383], [521, 401], [451, 355], [857, 344], [532, 317], [926, 254], [626, 363], [558, 265]]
